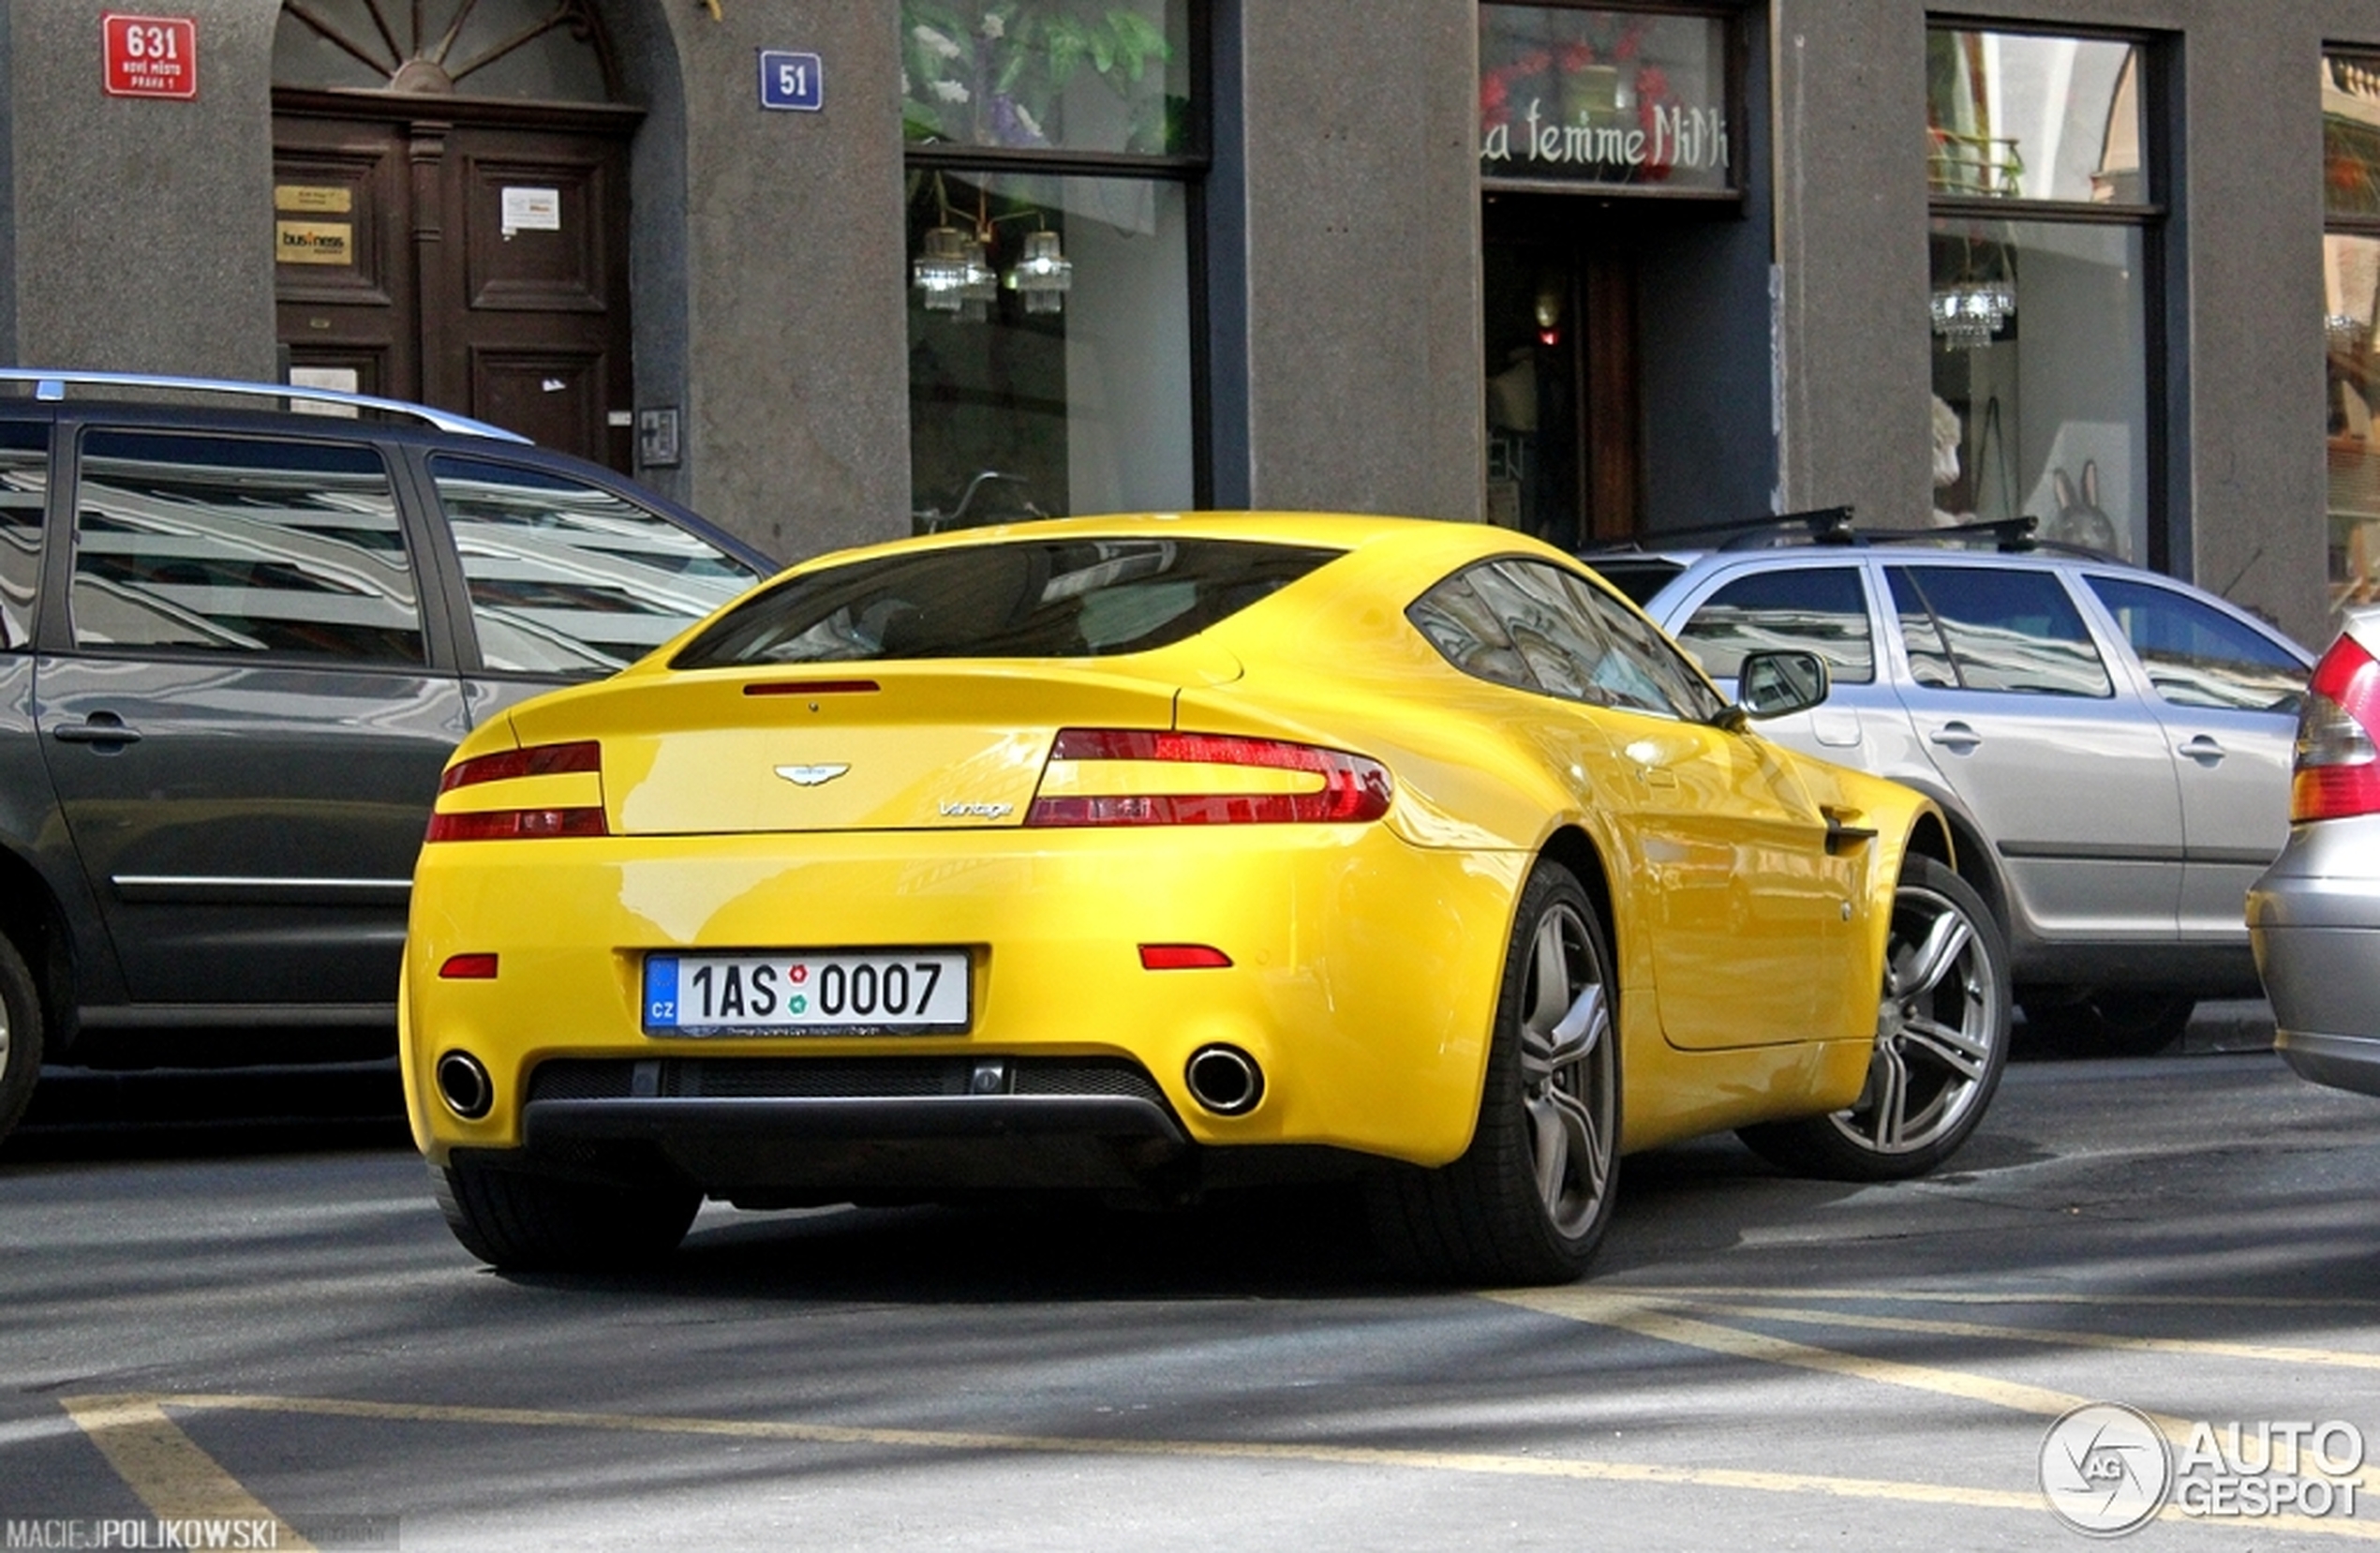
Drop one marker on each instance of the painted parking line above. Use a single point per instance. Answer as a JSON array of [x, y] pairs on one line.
[[168, 1474], [178, 1480], [165, 1468], [1679, 1320]]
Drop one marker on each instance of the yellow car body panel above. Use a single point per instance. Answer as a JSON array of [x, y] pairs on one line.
[[1747, 887]]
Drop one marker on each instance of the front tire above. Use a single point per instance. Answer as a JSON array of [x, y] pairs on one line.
[[520, 1223], [1530, 1199], [2114, 1021], [1941, 1040]]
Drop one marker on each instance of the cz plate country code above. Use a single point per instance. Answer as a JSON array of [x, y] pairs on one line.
[[920, 992]]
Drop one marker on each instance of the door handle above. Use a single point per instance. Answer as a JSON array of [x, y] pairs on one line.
[[1956, 736], [2204, 750], [102, 727]]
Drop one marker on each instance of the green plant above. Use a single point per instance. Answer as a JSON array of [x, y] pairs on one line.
[[997, 74]]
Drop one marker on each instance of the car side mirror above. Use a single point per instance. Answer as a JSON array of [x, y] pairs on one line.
[[1772, 684]]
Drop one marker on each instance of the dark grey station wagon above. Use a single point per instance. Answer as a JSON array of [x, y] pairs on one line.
[[236, 646]]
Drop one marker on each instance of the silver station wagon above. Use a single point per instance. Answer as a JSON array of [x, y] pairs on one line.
[[2113, 746]]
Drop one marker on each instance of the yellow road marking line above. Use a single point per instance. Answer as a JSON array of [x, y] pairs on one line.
[[175, 1479], [1930, 1297], [1477, 1462], [2336, 1358], [1644, 1317]]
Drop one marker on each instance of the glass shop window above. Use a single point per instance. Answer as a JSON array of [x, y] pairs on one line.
[[1056, 152], [2044, 203]]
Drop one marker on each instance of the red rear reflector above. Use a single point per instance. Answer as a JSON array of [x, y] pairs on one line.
[[509, 824], [2337, 770], [1354, 787], [468, 967], [1182, 957], [812, 687], [537, 760]]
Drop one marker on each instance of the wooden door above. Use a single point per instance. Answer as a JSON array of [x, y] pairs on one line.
[[484, 270]]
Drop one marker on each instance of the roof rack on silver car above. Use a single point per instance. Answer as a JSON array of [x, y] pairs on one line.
[[52, 386]]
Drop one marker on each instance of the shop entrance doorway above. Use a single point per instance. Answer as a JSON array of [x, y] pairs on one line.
[[1565, 456]]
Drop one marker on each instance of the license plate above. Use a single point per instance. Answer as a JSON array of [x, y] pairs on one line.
[[921, 992]]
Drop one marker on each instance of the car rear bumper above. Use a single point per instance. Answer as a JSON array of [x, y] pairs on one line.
[[2315, 921], [1362, 983]]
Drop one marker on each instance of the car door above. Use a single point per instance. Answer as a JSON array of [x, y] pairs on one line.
[[2227, 695], [2066, 772], [240, 713], [1739, 893], [567, 578]]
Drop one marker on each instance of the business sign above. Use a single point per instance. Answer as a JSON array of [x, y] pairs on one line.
[[151, 56], [796, 82], [1605, 98]]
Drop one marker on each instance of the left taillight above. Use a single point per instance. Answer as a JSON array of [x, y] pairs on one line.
[[1133, 776], [2337, 770], [559, 793]]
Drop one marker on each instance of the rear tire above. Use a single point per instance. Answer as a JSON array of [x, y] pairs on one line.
[[20, 1035], [1941, 1040], [1530, 1199], [520, 1223]]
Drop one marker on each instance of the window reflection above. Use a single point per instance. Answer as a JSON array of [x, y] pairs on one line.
[[25, 492], [240, 544], [1819, 609], [2016, 116], [2200, 657], [1995, 629], [569, 578]]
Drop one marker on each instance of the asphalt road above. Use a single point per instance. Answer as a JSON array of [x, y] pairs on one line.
[[269, 1327]]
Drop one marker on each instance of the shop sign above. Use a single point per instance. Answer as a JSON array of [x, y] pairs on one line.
[[1600, 99], [314, 199], [313, 242], [151, 56]]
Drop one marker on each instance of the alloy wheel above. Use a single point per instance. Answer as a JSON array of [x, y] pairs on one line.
[[1567, 1069], [1935, 1029]]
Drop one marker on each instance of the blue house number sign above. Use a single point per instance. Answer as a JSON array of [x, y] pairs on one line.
[[792, 80]]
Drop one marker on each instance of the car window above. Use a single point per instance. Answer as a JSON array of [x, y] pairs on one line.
[[1989, 628], [224, 544], [2196, 655], [1071, 598], [1819, 609], [1466, 632], [1648, 653], [25, 489], [1566, 654], [567, 577]]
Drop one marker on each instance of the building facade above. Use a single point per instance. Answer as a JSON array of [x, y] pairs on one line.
[[838, 272]]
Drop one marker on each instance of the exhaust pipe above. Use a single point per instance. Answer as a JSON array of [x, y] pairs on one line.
[[464, 1087], [1224, 1080]]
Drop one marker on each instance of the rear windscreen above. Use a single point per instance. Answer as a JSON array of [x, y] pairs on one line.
[[1073, 598]]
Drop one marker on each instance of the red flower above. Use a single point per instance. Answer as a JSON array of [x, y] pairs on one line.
[[1493, 94], [1576, 57], [1652, 85]]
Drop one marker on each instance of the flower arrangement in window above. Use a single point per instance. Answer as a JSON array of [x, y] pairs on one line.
[[1000, 74]]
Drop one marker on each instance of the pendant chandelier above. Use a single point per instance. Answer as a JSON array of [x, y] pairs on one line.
[[953, 271]]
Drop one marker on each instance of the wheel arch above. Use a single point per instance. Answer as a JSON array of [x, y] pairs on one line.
[[34, 921], [1951, 838]]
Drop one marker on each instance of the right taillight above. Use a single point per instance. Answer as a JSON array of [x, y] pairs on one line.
[[2337, 772], [1134, 776]]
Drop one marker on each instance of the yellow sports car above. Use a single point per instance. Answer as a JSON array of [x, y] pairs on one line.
[[1145, 854]]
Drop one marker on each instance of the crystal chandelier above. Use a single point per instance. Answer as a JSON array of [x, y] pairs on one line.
[[1968, 313], [950, 275]]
